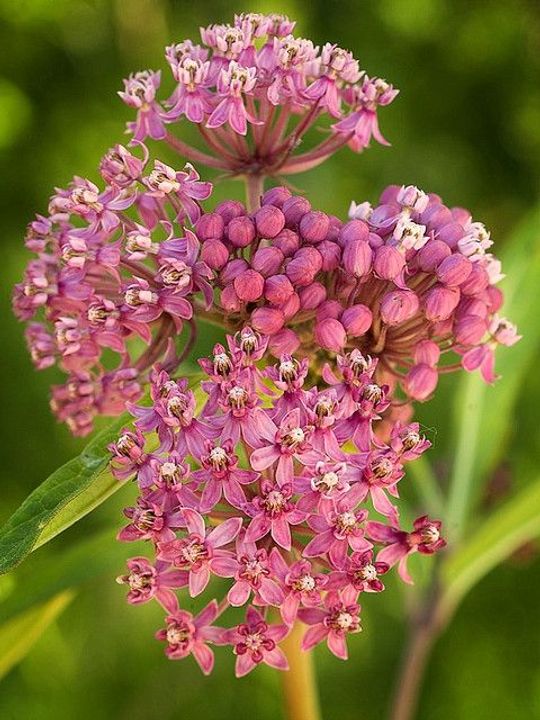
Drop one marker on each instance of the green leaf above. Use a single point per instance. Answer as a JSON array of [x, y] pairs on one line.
[[18, 635], [505, 531], [483, 414], [67, 495]]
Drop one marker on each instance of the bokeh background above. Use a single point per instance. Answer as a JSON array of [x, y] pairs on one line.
[[467, 126]]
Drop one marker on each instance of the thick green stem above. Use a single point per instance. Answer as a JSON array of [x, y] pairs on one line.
[[299, 683], [254, 190]]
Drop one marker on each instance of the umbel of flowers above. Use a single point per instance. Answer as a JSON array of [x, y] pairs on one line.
[[335, 325], [270, 484]]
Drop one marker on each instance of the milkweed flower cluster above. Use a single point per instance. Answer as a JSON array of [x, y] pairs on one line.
[[270, 484], [112, 264], [254, 90], [408, 281]]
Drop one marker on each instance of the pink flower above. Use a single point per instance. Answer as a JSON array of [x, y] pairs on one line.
[[199, 553], [332, 623], [146, 581], [140, 93], [255, 642], [186, 634], [273, 512]]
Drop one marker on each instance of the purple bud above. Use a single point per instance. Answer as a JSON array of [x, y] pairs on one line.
[[267, 260], [398, 306], [209, 226], [249, 285], [312, 296], [440, 302], [421, 381], [331, 255], [470, 330], [278, 289], [229, 299], [388, 262], [241, 231], [294, 208], [356, 320], [432, 254], [495, 298], [335, 228], [454, 270], [357, 257], [267, 320], [477, 281], [451, 234], [353, 230], [231, 270], [230, 209], [285, 342], [304, 266], [330, 334], [427, 352], [436, 216], [314, 226], [287, 241], [270, 221], [276, 196], [329, 309], [375, 241], [291, 307], [471, 306], [215, 254]]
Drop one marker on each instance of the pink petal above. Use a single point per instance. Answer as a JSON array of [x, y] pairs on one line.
[[337, 645], [224, 533], [244, 665], [276, 659], [314, 636], [198, 580], [194, 522], [204, 657], [239, 594]]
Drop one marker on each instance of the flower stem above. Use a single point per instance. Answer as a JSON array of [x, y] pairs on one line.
[[254, 190], [299, 683]]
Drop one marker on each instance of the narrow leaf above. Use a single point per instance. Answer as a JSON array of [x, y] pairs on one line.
[[67, 495], [18, 635]]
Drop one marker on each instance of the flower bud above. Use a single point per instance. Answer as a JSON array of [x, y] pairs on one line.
[[287, 241], [331, 255], [229, 299], [451, 234], [329, 309], [388, 262], [267, 320], [284, 342], [411, 197], [436, 216], [421, 381], [440, 302], [215, 254], [276, 196], [209, 225], [427, 352], [278, 289], [267, 260], [291, 307], [432, 255], [241, 231], [294, 208], [314, 226], [495, 299], [357, 257], [454, 270], [398, 306], [230, 209], [231, 270], [470, 330], [312, 296], [356, 320], [330, 334], [353, 230], [477, 281], [304, 266], [249, 285], [375, 241], [270, 221]]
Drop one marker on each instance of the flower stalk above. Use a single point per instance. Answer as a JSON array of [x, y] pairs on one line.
[[299, 684]]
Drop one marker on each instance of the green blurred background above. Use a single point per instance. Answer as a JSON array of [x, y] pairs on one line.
[[467, 126]]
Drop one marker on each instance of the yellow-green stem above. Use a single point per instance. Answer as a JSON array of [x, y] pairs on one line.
[[254, 190], [299, 684]]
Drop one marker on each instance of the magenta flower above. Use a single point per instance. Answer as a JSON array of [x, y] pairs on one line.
[[256, 642], [253, 575], [199, 553], [140, 93], [186, 634], [146, 581], [332, 623], [273, 512], [361, 574], [425, 538], [301, 584], [337, 530]]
